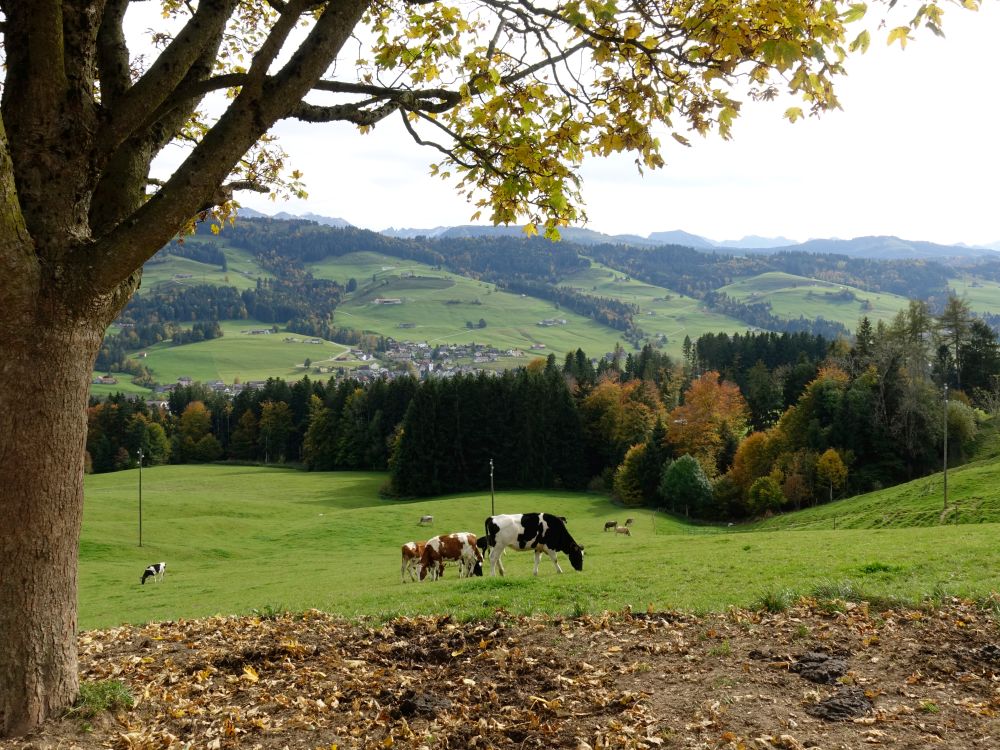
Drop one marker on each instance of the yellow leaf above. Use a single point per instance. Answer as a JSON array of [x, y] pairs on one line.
[[902, 33], [793, 113], [249, 674]]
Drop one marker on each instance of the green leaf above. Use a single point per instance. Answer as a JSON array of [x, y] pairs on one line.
[[854, 13], [902, 33]]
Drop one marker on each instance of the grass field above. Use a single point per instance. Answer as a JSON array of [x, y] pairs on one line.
[[662, 311], [437, 304], [124, 385], [982, 296], [238, 539], [793, 296], [237, 354], [242, 271]]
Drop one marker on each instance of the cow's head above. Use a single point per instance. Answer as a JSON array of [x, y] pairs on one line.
[[576, 557]]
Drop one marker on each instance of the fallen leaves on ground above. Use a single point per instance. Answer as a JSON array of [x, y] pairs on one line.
[[841, 676]]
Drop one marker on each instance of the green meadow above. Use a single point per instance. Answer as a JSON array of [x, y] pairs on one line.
[[238, 539], [436, 305], [239, 354], [242, 271], [982, 296], [794, 296], [661, 311]]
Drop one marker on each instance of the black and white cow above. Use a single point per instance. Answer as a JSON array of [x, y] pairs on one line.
[[154, 571], [540, 532]]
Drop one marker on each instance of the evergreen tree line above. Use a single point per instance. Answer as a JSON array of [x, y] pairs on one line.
[[759, 314], [209, 253], [608, 311]]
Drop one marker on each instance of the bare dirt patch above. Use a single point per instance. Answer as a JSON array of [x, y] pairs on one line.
[[814, 676]]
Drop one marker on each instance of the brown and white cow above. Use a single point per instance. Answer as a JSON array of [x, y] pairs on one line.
[[459, 547], [411, 560]]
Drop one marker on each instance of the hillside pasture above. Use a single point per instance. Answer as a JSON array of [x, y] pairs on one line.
[[972, 499], [661, 311], [124, 385], [242, 271], [982, 295], [792, 297], [244, 539], [239, 354], [436, 305]]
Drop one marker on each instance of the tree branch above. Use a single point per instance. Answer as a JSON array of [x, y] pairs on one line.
[[261, 102], [112, 54], [132, 111]]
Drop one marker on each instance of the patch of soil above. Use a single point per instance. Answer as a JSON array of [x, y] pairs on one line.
[[811, 677]]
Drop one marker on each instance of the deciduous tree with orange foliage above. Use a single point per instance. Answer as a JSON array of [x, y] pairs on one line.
[[713, 410]]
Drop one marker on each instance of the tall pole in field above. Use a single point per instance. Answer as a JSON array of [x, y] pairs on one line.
[[493, 511], [140, 497], [946, 446]]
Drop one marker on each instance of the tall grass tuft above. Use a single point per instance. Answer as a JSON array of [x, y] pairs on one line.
[[97, 697], [774, 600]]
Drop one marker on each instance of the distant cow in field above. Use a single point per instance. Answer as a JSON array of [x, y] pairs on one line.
[[610, 525], [154, 571], [460, 547], [629, 522], [539, 532], [426, 520], [411, 560], [623, 530]]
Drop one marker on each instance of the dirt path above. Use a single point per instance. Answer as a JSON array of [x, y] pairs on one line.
[[811, 677]]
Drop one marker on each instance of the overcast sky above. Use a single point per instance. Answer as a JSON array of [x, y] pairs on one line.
[[913, 153]]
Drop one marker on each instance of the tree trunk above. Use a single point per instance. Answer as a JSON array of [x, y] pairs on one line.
[[44, 377]]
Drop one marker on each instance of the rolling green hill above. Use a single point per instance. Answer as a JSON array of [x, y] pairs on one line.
[[242, 271], [982, 295], [436, 305], [239, 354], [662, 312], [794, 296], [238, 539]]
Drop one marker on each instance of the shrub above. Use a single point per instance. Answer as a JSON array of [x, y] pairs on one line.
[[684, 485]]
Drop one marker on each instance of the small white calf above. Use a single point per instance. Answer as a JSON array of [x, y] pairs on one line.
[[623, 530], [411, 560], [154, 571], [426, 520]]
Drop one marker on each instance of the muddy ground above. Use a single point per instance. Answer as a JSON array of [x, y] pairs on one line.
[[835, 675]]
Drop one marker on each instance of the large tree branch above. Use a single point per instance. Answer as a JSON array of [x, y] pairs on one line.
[[112, 54], [133, 108], [260, 103]]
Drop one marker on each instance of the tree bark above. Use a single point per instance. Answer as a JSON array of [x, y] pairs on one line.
[[48, 356]]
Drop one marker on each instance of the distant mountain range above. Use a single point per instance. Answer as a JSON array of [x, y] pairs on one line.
[[875, 247]]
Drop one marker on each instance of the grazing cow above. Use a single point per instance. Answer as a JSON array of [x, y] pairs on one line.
[[610, 525], [483, 544], [629, 521], [460, 547], [540, 532], [154, 571], [411, 560], [623, 530], [426, 520]]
